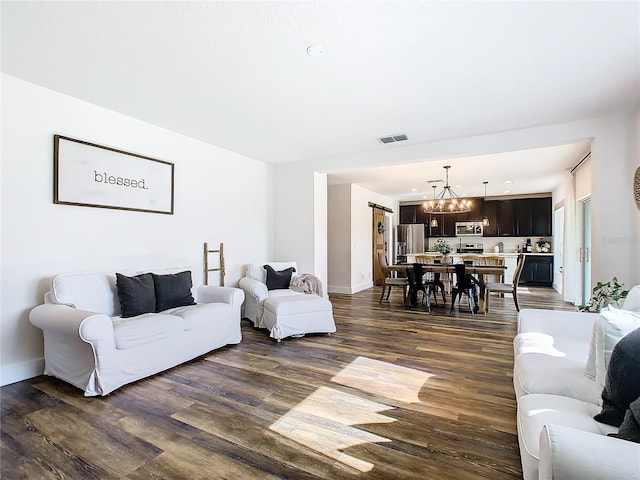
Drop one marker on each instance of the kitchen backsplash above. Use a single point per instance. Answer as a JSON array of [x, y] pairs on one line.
[[488, 243]]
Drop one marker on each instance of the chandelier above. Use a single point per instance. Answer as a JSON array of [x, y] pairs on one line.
[[447, 201]]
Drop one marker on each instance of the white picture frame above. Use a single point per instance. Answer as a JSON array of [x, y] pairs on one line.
[[91, 175]]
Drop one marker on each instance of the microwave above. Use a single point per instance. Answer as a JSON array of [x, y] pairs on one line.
[[468, 229]]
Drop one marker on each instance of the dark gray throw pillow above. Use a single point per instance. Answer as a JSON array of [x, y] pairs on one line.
[[136, 294], [278, 279], [172, 290], [622, 383], [630, 428]]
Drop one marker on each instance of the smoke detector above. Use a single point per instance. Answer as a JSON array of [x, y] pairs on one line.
[[393, 138]]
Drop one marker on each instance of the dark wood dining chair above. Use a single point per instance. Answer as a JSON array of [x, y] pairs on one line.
[[464, 285]]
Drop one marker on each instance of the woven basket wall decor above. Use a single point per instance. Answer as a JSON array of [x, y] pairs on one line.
[[636, 186]]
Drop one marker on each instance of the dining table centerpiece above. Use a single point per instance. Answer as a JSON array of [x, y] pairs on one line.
[[444, 248]]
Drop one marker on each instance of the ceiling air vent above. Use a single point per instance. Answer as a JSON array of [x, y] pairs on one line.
[[393, 138]]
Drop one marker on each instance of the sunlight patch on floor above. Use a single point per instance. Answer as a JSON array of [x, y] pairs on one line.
[[383, 379], [323, 420]]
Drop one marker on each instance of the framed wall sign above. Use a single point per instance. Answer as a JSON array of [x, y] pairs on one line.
[[91, 175]]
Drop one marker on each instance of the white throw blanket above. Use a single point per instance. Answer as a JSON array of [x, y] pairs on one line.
[[307, 283]]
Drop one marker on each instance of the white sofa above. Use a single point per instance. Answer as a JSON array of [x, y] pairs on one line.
[[88, 344], [557, 434], [254, 284]]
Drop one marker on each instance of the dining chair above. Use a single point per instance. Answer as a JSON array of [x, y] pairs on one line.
[[464, 285], [433, 280], [391, 279], [474, 259], [494, 261], [511, 288]]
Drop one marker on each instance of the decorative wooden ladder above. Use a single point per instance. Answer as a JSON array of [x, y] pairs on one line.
[[220, 268]]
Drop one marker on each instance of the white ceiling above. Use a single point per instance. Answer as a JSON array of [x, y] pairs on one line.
[[237, 74]]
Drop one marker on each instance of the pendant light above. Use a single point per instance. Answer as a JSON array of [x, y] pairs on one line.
[[447, 201], [485, 219], [434, 219]]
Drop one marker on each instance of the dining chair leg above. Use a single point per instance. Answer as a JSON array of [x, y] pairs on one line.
[[486, 301], [469, 299], [515, 299], [384, 287], [454, 294]]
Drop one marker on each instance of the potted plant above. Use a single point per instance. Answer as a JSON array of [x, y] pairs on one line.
[[609, 293], [443, 247]]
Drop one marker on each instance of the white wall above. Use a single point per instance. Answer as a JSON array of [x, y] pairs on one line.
[[339, 238], [300, 218], [362, 235], [351, 236], [220, 196]]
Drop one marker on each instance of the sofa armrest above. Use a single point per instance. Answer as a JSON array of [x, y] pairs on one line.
[[568, 453], [64, 319], [557, 323], [214, 294], [632, 302], [91, 327], [253, 287]]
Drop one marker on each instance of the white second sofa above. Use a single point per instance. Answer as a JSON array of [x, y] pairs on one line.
[[557, 434]]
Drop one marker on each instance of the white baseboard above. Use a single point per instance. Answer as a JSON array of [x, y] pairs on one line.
[[21, 371], [350, 290]]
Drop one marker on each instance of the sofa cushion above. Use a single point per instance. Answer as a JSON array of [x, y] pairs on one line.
[[172, 290], [622, 385], [277, 280], [146, 328], [136, 294], [630, 427], [95, 292], [202, 314]]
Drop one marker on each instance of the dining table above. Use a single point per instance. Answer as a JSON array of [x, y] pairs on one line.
[[478, 272]]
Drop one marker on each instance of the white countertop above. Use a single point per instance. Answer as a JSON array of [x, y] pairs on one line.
[[488, 253]]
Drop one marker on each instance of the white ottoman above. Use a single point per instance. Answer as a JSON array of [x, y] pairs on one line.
[[298, 315]]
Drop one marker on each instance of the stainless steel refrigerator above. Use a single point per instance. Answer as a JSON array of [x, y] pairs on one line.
[[409, 240]]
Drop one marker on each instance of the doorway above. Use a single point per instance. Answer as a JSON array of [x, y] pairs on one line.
[[585, 249], [379, 243], [558, 248]]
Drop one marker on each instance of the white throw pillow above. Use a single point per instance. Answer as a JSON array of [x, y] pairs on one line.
[[610, 326]]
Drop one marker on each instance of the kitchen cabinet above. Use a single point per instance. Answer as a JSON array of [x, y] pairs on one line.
[[537, 270], [523, 217], [541, 216], [491, 211], [522, 212], [506, 218], [408, 214], [446, 225], [413, 214]]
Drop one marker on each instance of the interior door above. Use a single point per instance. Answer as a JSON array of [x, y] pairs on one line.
[[379, 244]]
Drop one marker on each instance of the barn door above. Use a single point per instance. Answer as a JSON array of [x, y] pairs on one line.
[[379, 245]]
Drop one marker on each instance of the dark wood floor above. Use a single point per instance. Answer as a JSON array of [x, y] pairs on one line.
[[394, 394]]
